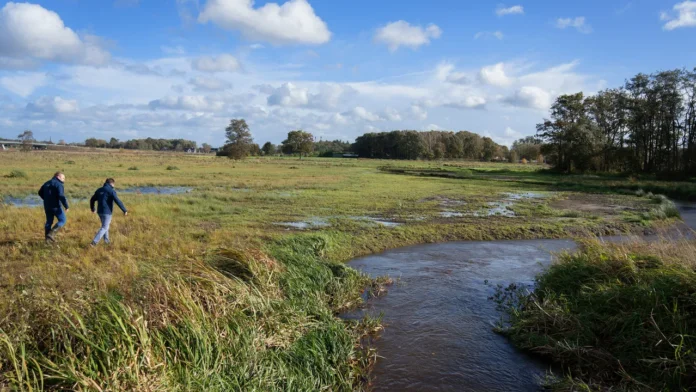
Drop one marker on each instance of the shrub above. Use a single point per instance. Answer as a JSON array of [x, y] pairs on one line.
[[172, 168], [133, 168], [17, 174], [69, 162]]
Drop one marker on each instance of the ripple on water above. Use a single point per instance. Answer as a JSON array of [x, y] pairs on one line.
[[439, 321]]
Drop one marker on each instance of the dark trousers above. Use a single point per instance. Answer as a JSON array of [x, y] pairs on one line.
[[55, 213]]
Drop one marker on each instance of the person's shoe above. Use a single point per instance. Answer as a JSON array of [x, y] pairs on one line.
[[52, 234], [46, 234], [92, 245]]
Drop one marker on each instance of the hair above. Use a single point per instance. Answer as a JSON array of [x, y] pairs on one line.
[[110, 181], [58, 173]]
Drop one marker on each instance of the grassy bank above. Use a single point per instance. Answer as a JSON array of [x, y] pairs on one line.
[[617, 317], [211, 290]]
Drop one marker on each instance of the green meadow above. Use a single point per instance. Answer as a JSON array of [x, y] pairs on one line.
[[237, 283]]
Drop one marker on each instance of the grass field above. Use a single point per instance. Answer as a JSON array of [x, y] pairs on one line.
[[213, 290]]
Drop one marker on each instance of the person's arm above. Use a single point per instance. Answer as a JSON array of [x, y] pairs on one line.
[[62, 198], [119, 203], [41, 193], [92, 201]]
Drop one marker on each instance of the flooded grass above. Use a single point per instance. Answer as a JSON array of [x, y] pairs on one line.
[[159, 310]]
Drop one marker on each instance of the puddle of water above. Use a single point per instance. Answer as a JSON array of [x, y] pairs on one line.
[[451, 214], [312, 223], [379, 221], [151, 190], [28, 201], [439, 321], [525, 195]]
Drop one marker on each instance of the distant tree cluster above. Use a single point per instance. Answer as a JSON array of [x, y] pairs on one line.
[[527, 148], [298, 142], [326, 148], [143, 144], [428, 145], [648, 125]]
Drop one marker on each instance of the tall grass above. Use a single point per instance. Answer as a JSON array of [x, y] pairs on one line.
[[613, 317], [270, 327]]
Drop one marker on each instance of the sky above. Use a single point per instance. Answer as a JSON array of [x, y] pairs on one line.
[[75, 69]]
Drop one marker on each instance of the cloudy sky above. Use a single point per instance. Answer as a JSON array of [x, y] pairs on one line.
[[73, 69]]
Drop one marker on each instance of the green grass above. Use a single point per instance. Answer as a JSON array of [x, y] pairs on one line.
[[615, 317], [204, 291]]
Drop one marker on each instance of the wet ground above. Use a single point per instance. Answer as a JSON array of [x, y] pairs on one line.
[[439, 320], [151, 190]]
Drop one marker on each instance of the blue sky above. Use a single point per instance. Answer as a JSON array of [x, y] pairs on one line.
[[73, 69]]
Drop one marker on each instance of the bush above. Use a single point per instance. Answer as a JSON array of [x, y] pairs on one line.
[[69, 162], [133, 168], [17, 174], [172, 168], [619, 317]]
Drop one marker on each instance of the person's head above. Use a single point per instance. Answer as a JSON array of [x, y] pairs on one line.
[[60, 176], [111, 182]]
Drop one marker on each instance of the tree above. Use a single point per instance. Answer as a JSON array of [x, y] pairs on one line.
[[114, 143], [206, 148], [514, 158], [268, 148], [298, 142], [254, 150], [239, 139], [27, 139]]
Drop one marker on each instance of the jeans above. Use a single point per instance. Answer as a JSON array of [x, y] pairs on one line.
[[57, 213], [104, 230]]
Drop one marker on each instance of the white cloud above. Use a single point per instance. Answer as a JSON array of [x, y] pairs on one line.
[[293, 22], [433, 127], [418, 112], [23, 84], [289, 95], [489, 34], [256, 46], [530, 97], [576, 23], [471, 102], [684, 15], [196, 103], [494, 75], [401, 33], [221, 63], [360, 113], [29, 31], [392, 114], [209, 84], [53, 105], [514, 10]]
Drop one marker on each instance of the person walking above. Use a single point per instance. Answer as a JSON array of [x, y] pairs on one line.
[[53, 195], [105, 198]]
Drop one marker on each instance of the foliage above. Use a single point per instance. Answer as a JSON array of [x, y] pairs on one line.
[[143, 144], [648, 125], [17, 174], [326, 148], [298, 142], [27, 139], [170, 167], [206, 148], [239, 139], [428, 145], [616, 317], [133, 168], [268, 149]]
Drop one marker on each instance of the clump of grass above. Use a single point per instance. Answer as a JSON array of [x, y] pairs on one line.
[[617, 317], [172, 168], [16, 173], [69, 162], [133, 168]]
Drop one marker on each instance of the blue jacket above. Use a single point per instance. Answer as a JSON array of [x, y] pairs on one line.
[[105, 198], [53, 194]]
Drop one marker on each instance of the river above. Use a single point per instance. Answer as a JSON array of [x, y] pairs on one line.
[[439, 321]]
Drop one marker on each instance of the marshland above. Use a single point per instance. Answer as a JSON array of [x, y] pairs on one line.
[[213, 288]]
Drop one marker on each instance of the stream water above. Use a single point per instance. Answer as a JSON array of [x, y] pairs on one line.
[[439, 321]]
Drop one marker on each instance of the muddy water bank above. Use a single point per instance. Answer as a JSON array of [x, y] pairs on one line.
[[439, 320]]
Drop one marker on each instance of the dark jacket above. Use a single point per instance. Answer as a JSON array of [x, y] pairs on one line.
[[53, 194], [105, 198]]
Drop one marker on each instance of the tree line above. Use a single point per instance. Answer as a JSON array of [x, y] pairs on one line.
[[146, 144], [428, 145], [648, 125]]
